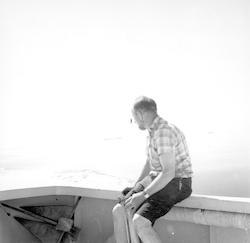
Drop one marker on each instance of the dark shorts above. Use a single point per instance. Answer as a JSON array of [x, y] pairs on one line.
[[161, 202]]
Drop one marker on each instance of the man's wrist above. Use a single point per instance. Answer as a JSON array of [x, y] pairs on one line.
[[145, 194]]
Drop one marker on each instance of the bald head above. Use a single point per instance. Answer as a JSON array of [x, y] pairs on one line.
[[144, 103], [144, 111]]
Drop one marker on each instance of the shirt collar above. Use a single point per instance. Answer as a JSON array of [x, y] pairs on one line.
[[154, 124]]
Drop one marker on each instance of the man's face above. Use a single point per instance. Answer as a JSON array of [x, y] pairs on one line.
[[138, 120]]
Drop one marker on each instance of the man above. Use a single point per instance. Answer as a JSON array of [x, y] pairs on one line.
[[168, 167]]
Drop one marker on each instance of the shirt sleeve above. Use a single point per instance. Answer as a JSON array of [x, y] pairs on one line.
[[165, 140]]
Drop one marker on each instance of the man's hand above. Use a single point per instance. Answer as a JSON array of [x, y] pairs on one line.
[[134, 202], [126, 190]]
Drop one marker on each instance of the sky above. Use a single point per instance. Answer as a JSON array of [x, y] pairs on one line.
[[70, 70], [69, 65]]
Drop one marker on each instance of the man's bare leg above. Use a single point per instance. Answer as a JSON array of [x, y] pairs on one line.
[[145, 230], [119, 224]]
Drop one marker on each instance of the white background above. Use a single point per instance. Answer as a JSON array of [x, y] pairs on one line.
[[70, 70]]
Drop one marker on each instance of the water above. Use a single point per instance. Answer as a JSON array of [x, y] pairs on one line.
[[221, 163]]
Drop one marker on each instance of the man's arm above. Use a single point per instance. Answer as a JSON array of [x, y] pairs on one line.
[[129, 191], [167, 161], [168, 172]]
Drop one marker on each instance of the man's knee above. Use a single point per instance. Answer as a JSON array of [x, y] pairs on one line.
[[118, 210], [140, 222]]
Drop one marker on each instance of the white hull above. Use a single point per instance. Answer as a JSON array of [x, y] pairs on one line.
[[93, 215]]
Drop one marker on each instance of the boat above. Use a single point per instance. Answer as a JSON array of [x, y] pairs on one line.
[[87, 205]]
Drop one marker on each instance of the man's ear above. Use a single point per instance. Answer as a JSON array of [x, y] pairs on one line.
[[139, 114]]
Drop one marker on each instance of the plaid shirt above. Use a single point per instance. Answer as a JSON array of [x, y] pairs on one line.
[[165, 138]]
